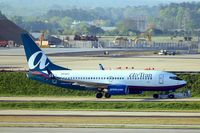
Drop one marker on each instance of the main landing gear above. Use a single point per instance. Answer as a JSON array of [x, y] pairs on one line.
[[100, 94]]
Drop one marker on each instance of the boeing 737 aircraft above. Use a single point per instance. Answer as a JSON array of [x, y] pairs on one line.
[[104, 82]]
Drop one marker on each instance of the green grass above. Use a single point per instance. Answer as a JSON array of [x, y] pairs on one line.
[[60, 125], [98, 122], [17, 84], [119, 106]]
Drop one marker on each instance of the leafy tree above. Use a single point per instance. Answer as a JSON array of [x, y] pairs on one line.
[[128, 27], [185, 16], [93, 30]]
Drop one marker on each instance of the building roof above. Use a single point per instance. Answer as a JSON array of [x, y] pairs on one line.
[[10, 31], [36, 35]]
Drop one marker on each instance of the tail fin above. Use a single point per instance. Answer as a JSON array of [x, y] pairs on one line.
[[36, 58]]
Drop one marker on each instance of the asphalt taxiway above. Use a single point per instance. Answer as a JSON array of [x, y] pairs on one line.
[[90, 58], [97, 119], [97, 113], [92, 130]]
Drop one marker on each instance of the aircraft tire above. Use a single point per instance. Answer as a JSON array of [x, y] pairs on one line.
[[54, 81], [155, 96], [107, 95], [171, 96], [99, 95]]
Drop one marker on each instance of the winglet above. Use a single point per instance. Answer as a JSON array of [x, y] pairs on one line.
[[101, 67]]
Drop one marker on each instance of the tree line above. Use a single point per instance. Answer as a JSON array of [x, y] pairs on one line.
[[170, 19]]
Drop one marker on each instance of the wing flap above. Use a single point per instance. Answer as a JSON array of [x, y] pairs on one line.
[[87, 84]]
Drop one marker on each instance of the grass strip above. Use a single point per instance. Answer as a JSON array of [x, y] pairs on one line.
[[197, 127], [17, 84], [119, 106], [98, 120]]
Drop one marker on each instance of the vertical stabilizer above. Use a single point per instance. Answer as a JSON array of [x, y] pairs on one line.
[[36, 58]]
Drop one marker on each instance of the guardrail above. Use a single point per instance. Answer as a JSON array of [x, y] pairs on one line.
[[12, 69]]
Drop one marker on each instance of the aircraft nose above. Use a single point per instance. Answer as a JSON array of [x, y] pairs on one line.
[[183, 82]]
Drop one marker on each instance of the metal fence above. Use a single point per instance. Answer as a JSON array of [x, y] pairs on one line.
[[189, 47], [186, 47]]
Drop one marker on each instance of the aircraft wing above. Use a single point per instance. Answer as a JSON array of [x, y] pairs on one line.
[[77, 82], [86, 84]]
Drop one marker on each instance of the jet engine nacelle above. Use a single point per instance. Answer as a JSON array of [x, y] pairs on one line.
[[117, 90]]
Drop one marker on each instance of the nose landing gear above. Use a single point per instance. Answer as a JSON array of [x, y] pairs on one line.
[[169, 95]]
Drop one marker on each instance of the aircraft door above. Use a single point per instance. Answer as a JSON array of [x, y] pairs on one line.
[[161, 79]]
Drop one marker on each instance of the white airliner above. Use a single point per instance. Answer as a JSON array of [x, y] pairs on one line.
[[104, 82]]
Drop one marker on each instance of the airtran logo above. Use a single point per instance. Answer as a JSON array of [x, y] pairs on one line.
[[38, 59], [143, 76]]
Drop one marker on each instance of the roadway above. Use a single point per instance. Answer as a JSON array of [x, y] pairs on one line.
[[73, 121], [20, 51], [68, 113], [91, 99], [92, 130], [90, 58]]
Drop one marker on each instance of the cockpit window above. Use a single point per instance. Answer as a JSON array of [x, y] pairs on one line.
[[175, 78]]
